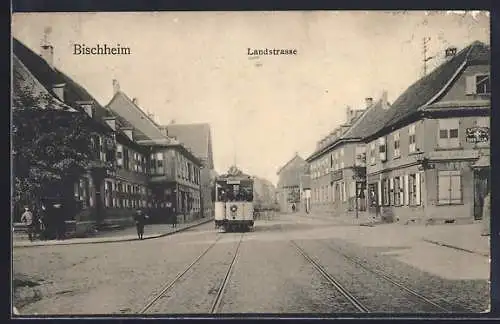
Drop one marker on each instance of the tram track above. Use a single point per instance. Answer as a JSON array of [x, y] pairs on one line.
[[334, 282], [385, 276], [218, 298], [355, 301], [216, 303]]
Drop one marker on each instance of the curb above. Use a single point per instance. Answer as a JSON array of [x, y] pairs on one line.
[[118, 240], [456, 248]]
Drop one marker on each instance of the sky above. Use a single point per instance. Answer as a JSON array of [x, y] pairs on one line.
[[193, 67]]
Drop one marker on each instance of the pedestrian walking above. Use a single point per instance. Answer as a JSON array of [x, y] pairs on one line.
[[140, 220], [293, 208], [27, 219], [174, 220]]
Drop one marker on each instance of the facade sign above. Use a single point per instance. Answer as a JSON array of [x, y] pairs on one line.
[[477, 134]]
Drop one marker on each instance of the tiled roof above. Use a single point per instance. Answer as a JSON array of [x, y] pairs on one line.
[[26, 79], [194, 136], [429, 88], [295, 158], [49, 76], [130, 114], [371, 121], [291, 172]]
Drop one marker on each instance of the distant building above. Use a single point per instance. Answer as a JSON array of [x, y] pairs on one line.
[[288, 192], [264, 194], [428, 155], [337, 168], [198, 139]]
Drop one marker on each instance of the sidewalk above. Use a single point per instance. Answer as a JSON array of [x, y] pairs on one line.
[[122, 235], [462, 237]]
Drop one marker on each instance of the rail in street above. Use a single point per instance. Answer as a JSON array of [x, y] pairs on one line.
[[350, 297], [382, 275], [160, 302]]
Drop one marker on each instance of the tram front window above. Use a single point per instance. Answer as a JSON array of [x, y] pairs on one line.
[[234, 192]]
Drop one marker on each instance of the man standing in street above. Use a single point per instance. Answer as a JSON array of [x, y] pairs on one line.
[[27, 219], [140, 220]]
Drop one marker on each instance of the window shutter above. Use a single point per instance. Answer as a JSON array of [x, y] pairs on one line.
[[379, 192], [406, 191], [417, 191], [470, 84]]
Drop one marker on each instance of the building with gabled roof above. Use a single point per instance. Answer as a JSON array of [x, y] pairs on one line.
[[174, 171], [288, 192], [337, 166], [197, 138], [428, 153]]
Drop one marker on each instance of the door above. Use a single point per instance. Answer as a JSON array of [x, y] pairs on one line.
[[481, 188]]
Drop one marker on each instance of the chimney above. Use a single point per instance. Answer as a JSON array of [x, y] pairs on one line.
[[47, 53], [368, 101], [58, 90], [116, 86], [385, 103], [450, 52], [136, 102], [348, 112], [172, 121]]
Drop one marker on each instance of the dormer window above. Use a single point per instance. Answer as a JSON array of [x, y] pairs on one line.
[[478, 84]]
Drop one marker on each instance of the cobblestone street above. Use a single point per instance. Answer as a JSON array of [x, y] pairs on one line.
[[288, 264]]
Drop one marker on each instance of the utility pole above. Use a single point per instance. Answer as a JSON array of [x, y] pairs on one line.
[[426, 59]]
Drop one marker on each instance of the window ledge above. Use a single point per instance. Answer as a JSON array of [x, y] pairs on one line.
[[396, 157], [450, 204], [451, 148]]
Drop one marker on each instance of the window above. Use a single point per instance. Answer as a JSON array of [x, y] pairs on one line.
[[342, 152], [159, 163], [478, 84], [414, 189], [119, 155], [412, 140], [342, 164], [126, 159], [397, 152], [360, 158], [398, 191], [108, 194], [382, 149], [385, 192], [372, 153], [449, 187], [448, 133]]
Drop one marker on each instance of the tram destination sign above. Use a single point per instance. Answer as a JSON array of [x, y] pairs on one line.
[[477, 134]]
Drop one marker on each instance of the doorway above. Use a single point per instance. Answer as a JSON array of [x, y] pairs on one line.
[[481, 189]]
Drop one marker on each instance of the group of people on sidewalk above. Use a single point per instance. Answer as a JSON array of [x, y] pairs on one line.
[[44, 224]]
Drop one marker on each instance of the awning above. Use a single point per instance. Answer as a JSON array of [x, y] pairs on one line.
[[482, 162]]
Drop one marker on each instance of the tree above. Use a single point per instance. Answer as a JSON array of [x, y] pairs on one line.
[[51, 147]]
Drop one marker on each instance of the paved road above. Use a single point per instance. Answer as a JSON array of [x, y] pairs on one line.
[[286, 265]]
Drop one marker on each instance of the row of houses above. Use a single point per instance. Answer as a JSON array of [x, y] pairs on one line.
[[165, 168], [423, 158]]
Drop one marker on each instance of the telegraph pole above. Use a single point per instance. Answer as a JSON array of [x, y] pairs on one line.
[[426, 58]]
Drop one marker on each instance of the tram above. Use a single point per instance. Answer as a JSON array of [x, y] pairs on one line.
[[233, 197]]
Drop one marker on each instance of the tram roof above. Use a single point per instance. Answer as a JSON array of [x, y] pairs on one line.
[[224, 177]]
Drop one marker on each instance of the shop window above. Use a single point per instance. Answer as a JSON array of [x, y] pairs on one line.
[[414, 189]]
